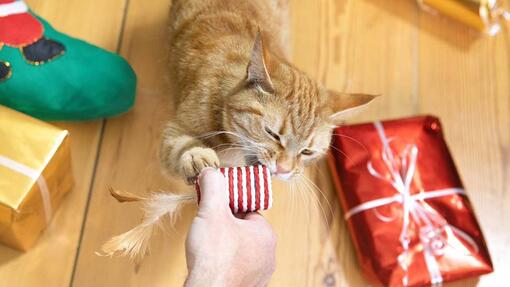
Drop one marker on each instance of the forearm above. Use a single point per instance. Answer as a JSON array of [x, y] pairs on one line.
[[222, 250]]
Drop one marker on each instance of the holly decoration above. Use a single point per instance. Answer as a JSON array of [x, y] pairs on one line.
[[5, 70]]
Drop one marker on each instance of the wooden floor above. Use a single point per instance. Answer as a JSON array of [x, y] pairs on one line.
[[420, 63]]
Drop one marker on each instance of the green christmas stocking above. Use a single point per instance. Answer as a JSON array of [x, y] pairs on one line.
[[52, 76]]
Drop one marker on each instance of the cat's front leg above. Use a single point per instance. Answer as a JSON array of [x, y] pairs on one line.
[[195, 159], [185, 155]]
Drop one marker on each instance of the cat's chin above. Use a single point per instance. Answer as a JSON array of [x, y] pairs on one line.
[[284, 176]]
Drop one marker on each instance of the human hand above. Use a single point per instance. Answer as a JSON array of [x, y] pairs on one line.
[[223, 249]]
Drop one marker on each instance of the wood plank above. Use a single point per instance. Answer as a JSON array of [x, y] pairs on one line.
[[50, 262], [464, 79], [129, 161], [343, 57]]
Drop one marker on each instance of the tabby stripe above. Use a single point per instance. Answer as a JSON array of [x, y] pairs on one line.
[[294, 85], [288, 96], [240, 126], [284, 126], [247, 110]]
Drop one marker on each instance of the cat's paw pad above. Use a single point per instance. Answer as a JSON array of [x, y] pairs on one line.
[[196, 159]]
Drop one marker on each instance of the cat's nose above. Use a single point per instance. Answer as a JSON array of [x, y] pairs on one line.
[[281, 168]]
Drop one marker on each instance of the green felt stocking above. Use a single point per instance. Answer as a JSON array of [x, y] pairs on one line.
[[57, 77]]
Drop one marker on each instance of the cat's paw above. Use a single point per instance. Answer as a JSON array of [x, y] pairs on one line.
[[196, 159]]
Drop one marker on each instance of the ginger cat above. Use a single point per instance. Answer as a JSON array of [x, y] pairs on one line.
[[236, 90]]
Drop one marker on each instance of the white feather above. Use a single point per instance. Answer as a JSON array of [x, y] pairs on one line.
[[135, 242]]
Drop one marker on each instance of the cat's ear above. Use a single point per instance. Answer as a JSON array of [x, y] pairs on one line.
[[257, 73], [346, 105]]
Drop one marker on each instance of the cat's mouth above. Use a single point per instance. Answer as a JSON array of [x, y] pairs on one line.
[[254, 160]]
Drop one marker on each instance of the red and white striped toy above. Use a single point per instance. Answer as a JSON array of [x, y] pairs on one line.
[[249, 188]]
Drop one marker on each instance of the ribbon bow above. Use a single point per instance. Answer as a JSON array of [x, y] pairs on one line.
[[431, 225]]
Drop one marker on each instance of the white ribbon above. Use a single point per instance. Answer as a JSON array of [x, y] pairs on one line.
[[17, 7], [34, 175], [431, 225]]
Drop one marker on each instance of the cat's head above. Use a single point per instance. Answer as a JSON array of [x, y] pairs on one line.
[[280, 117]]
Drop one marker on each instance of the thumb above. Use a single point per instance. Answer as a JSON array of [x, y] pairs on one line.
[[213, 191]]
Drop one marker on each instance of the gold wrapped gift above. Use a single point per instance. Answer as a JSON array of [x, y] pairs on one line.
[[35, 174], [483, 15]]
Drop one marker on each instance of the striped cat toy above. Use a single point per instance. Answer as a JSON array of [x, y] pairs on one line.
[[248, 188]]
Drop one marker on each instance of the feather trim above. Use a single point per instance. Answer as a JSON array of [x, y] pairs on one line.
[[124, 196], [135, 242]]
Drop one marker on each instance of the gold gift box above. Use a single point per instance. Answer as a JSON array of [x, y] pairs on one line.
[[483, 15], [35, 174]]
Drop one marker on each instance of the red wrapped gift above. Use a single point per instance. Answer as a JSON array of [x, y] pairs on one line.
[[408, 214]]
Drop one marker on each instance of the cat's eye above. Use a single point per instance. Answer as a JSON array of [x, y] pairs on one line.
[[307, 151], [273, 134]]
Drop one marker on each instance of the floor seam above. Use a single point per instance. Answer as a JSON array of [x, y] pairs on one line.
[[98, 155]]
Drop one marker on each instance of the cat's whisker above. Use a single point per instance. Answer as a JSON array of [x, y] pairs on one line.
[[315, 198], [254, 148], [290, 214], [294, 196], [253, 153], [225, 144], [353, 139], [301, 199], [216, 133], [310, 182], [319, 170], [258, 148], [237, 147], [210, 134], [339, 151], [235, 144], [244, 145]]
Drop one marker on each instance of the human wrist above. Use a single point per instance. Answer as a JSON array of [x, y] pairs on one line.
[[203, 276]]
